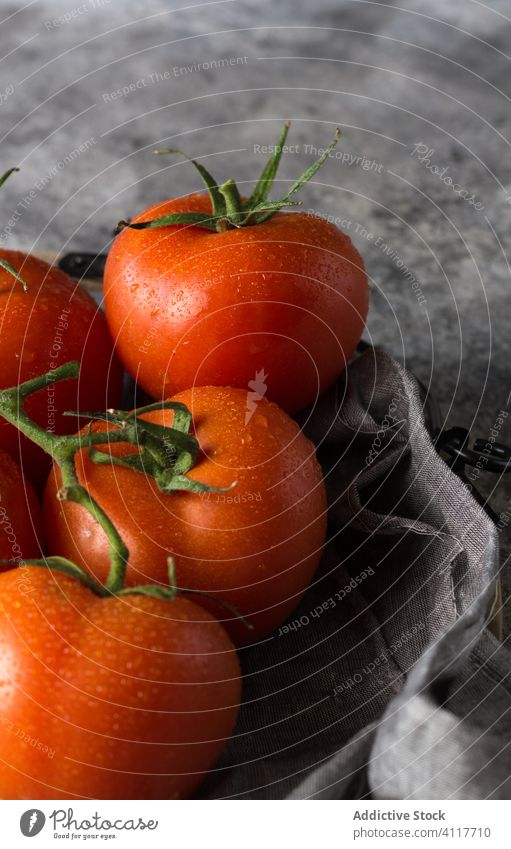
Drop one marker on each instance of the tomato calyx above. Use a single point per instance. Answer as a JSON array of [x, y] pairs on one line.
[[163, 452], [3, 262], [166, 592], [229, 210], [7, 174], [166, 452], [171, 591]]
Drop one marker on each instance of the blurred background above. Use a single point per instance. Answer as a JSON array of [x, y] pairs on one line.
[[421, 179]]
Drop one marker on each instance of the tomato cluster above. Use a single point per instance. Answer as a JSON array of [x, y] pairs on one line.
[[170, 534]]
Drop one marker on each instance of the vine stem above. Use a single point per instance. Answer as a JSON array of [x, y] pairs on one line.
[[130, 429], [62, 449]]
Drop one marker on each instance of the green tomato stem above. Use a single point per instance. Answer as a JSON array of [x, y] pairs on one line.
[[233, 202], [62, 450]]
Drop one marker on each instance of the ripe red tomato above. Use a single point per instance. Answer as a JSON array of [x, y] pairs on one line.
[[53, 322], [255, 547], [189, 307], [125, 697], [20, 515]]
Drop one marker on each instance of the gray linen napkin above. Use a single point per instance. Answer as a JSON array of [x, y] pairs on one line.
[[385, 681]]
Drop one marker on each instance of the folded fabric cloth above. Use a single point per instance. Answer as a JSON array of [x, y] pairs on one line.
[[386, 682]]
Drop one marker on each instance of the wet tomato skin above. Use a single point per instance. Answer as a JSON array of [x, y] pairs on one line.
[[54, 322], [190, 307], [21, 524], [256, 547], [121, 697]]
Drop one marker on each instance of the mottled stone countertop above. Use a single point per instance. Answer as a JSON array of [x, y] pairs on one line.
[[422, 179]]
